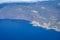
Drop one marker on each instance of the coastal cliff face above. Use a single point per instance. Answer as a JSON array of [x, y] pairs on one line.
[[41, 14]]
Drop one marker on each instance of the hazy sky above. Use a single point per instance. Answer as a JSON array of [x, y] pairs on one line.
[[3, 1]]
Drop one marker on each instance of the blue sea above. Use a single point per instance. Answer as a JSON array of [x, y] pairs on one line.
[[22, 30], [13, 29]]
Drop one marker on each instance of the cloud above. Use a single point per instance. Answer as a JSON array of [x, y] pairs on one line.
[[4, 1]]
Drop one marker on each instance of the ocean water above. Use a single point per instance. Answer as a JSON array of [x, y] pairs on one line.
[[22, 30], [13, 29]]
